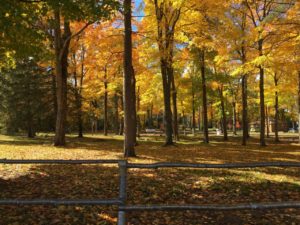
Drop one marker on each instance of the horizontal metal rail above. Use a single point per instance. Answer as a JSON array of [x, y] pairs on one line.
[[250, 206], [155, 165], [60, 202], [212, 166], [57, 161]]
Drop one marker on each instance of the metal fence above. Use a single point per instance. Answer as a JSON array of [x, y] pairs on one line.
[[121, 201]]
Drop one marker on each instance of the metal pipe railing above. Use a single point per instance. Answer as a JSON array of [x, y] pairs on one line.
[[60, 202], [59, 161], [249, 206], [121, 201], [212, 166], [122, 192]]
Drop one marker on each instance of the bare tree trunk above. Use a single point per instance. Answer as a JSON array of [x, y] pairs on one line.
[[129, 86], [61, 54], [224, 120], [204, 97], [105, 128]]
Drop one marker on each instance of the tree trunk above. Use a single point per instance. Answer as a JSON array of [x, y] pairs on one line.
[[224, 120], [105, 128], [183, 121], [199, 118], [151, 116], [174, 101], [79, 110], [234, 118], [134, 105], [211, 115], [245, 109], [78, 102], [129, 86], [262, 97], [299, 104], [62, 43], [116, 106], [80, 120], [30, 125], [30, 130], [204, 97], [121, 128], [194, 112], [138, 119], [267, 122], [54, 99], [167, 105], [165, 41], [276, 110]]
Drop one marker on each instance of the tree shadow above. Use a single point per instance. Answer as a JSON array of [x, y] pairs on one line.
[[163, 186], [184, 186], [61, 182]]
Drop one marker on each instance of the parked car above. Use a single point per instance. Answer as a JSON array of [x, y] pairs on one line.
[[293, 130]]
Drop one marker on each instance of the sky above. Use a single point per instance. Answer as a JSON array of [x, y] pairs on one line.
[[137, 12]]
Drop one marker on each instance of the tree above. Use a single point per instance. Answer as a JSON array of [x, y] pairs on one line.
[[167, 15], [26, 104], [62, 41], [204, 96], [129, 86], [78, 67], [261, 15]]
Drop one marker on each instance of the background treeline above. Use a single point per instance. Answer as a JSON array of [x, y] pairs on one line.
[[177, 66]]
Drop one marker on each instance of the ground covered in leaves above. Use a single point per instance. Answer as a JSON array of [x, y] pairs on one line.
[[162, 186]]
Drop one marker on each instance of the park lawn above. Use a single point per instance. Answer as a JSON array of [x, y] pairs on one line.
[[162, 186]]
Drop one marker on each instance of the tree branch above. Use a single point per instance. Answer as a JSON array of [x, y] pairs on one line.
[[71, 37]]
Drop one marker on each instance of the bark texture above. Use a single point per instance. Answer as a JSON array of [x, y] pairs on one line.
[[129, 86], [62, 42]]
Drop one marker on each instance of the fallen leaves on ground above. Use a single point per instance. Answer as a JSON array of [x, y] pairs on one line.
[[162, 186]]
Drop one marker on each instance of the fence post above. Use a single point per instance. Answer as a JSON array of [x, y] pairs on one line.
[[122, 191]]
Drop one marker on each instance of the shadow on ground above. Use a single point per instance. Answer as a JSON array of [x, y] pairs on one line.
[[163, 186]]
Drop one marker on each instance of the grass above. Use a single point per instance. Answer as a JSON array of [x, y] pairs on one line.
[[163, 186]]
